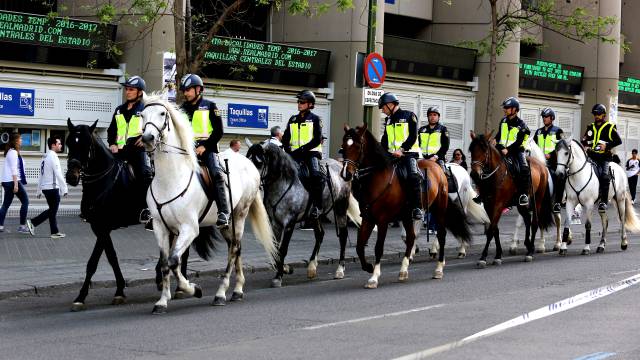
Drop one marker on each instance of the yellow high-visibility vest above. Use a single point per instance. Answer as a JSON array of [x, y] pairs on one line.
[[547, 143], [302, 134], [430, 143], [201, 125], [126, 131], [397, 134], [508, 137], [597, 134]]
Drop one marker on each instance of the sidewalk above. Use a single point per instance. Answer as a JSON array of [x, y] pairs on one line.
[[32, 264]]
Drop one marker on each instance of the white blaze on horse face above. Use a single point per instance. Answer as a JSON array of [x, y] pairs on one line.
[[349, 142]]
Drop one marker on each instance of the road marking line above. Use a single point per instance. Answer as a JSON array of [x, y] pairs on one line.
[[552, 309], [353, 321], [625, 272], [596, 356]]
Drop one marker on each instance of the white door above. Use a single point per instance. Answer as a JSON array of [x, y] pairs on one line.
[[567, 115]]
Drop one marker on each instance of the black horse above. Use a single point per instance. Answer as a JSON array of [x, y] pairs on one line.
[[111, 199]]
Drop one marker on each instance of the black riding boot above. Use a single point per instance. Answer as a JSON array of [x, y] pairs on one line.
[[146, 174], [415, 198], [559, 193], [524, 186], [217, 175], [316, 196], [604, 189]]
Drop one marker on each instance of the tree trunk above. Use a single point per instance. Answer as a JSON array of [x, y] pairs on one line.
[[181, 51], [492, 65]]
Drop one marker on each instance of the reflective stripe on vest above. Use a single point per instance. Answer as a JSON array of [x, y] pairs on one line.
[[547, 143], [397, 134], [302, 134], [125, 131], [430, 143], [596, 136], [201, 125], [508, 137]]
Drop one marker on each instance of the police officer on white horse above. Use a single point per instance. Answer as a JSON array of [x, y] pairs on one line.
[[546, 137], [207, 130]]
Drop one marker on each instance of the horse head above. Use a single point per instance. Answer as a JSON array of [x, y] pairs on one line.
[[354, 144], [564, 154], [80, 143], [256, 154], [155, 117], [482, 153]]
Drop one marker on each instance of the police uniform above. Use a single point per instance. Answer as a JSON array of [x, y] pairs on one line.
[[593, 137], [512, 135], [546, 138], [302, 139], [434, 141], [206, 123], [401, 133]]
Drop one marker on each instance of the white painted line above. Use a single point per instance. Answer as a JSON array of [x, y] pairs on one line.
[[625, 272], [596, 356], [322, 326], [543, 312]]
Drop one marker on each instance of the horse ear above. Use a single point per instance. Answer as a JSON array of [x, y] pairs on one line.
[[92, 128], [472, 134], [248, 142], [70, 124], [346, 127], [490, 134], [364, 126]]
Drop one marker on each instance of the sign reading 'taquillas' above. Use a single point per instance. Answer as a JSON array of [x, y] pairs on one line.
[[250, 116], [16, 101]]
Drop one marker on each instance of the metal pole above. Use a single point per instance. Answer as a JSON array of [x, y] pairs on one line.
[[371, 47], [233, 223]]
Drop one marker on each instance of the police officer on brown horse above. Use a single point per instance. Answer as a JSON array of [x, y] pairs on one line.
[[400, 139], [302, 139], [510, 140], [207, 130]]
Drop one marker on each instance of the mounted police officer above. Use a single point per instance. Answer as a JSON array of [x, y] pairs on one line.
[[546, 137], [302, 140], [401, 140], [599, 139], [434, 142], [510, 139], [207, 131], [124, 137]]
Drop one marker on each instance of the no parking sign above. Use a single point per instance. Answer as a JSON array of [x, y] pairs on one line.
[[375, 70]]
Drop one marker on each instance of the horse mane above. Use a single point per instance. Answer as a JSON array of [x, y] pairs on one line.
[[281, 161], [379, 153], [182, 128]]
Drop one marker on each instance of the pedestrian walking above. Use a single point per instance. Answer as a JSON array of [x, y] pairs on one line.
[[13, 181], [52, 185], [633, 168]]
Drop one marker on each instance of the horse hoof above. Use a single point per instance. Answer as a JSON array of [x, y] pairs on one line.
[[197, 292], [433, 255], [528, 258], [371, 284], [78, 306], [276, 283], [556, 248], [569, 241], [562, 252], [497, 262], [368, 268], [339, 275], [159, 286], [586, 252], [481, 264], [179, 294], [219, 301], [600, 250], [438, 275], [119, 300], [462, 255], [623, 247], [237, 296], [512, 251], [540, 250], [288, 269], [159, 309], [403, 276], [311, 274]]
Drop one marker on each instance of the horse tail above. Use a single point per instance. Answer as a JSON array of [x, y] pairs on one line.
[[459, 229], [353, 210], [204, 242], [262, 228], [474, 210], [545, 217], [630, 217]]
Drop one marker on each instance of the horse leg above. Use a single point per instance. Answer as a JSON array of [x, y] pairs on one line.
[[438, 273], [92, 265], [558, 220], [221, 295], [603, 238], [482, 263], [566, 232], [513, 248], [372, 283], [276, 282], [410, 242], [539, 245], [160, 307], [528, 237], [622, 213], [184, 260], [462, 251], [119, 298], [343, 235], [318, 232], [498, 258], [587, 228], [363, 236]]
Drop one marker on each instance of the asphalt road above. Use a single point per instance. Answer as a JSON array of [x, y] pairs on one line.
[[339, 319]]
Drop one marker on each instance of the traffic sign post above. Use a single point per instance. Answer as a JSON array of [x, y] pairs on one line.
[[375, 70]]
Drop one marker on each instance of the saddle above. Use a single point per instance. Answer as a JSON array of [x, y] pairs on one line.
[[598, 170], [206, 181], [304, 174], [512, 166]]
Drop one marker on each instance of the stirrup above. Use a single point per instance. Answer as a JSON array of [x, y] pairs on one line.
[[417, 214], [223, 220], [145, 216], [477, 200], [602, 207], [557, 208], [523, 200]]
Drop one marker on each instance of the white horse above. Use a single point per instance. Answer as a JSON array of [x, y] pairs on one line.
[[180, 206], [583, 188], [464, 196], [535, 152]]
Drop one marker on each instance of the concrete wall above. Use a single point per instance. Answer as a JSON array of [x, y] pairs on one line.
[[631, 31]]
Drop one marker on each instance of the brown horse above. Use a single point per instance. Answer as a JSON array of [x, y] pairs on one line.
[[497, 189], [382, 200]]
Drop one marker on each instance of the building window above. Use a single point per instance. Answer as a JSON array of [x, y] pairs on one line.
[[32, 139]]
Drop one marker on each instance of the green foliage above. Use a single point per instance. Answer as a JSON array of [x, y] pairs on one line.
[[106, 13]]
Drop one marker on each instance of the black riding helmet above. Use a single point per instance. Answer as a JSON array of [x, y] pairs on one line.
[[189, 81], [548, 112], [598, 109], [308, 96], [387, 98], [135, 82], [511, 102], [433, 109]]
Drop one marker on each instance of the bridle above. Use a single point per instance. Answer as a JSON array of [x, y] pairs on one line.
[[159, 143], [569, 159], [484, 164], [359, 173], [85, 177]]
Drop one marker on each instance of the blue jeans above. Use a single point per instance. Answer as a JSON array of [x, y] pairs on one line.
[[53, 200], [8, 199]]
